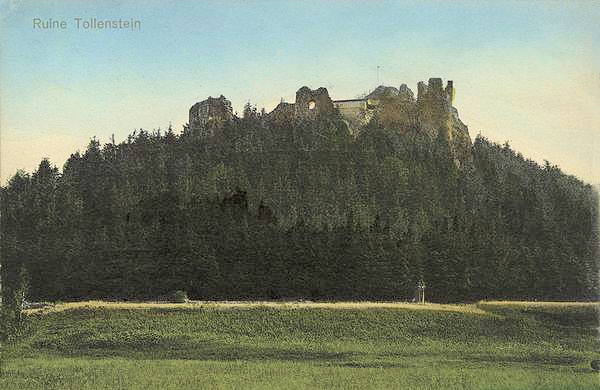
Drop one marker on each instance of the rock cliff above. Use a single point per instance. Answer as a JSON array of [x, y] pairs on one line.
[[431, 112]]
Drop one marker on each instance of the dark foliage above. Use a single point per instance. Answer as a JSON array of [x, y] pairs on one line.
[[259, 211]]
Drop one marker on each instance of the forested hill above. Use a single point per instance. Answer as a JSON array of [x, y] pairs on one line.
[[301, 210]]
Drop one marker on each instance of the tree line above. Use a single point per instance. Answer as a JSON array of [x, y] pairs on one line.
[[264, 210]]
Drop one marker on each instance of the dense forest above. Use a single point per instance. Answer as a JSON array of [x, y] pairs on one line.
[[298, 211]]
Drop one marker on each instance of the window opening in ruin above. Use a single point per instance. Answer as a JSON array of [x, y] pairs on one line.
[[311, 105]]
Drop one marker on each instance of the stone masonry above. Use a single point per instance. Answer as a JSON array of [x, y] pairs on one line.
[[210, 114], [431, 112]]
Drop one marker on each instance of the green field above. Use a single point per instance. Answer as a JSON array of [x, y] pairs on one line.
[[494, 345]]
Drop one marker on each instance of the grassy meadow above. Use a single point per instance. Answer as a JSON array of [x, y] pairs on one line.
[[204, 345]]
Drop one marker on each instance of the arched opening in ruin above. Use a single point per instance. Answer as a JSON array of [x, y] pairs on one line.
[[312, 104]]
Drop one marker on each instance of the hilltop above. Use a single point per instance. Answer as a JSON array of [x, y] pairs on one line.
[[431, 113], [300, 203]]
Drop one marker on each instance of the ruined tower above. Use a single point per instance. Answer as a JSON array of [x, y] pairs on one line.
[[210, 114], [395, 108], [434, 105], [312, 103]]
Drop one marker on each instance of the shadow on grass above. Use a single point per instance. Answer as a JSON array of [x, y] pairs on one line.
[[545, 359], [209, 351], [371, 365], [216, 351]]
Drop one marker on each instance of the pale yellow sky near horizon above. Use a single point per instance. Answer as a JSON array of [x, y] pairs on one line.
[[525, 72], [565, 112]]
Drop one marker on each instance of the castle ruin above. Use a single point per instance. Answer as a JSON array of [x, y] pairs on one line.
[[210, 114], [431, 111], [312, 103]]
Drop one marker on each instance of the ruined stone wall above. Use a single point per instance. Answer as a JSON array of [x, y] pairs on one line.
[[351, 109], [350, 105], [394, 108], [355, 112], [210, 113], [435, 114], [434, 105], [312, 103]]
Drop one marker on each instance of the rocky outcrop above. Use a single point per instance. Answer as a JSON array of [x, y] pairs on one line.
[[461, 141], [405, 94], [282, 114], [394, 108], [210, 114], [382, 91], [437, 117], [434, 106], [431, 113]]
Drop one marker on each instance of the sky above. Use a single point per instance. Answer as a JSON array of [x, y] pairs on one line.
[[524, 72]]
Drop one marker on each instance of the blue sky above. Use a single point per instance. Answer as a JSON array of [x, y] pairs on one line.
[[526, 72]]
